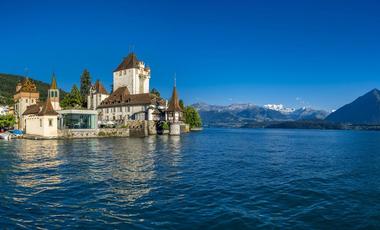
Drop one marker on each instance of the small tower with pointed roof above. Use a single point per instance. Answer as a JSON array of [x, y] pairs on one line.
[[41, 119], [132, 73], [53, 93], [174, 112], [26, 95]]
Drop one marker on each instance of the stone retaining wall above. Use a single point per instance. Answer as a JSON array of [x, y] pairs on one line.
[[90, 133]]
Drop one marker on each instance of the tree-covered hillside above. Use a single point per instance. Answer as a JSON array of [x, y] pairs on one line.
[[8, 88]]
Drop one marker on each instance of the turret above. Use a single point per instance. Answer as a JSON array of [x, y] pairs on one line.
[[53, 94], [174, 113], [132, 73]]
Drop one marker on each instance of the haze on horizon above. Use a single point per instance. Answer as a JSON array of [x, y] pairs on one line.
[[321, 54]]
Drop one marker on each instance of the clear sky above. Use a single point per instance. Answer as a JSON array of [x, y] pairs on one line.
[[315, 53]]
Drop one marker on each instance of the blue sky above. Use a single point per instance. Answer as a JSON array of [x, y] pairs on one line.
[[300, 53]]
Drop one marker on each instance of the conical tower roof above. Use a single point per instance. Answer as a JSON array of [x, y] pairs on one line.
[[129, 62], [174, 102], [53, 82]]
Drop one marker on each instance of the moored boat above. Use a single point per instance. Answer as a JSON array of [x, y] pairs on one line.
[[5, 136]]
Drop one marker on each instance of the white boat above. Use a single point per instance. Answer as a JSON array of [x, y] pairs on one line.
[[5, 136]]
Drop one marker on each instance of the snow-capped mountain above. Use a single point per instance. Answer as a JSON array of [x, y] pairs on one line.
[[279, 107], [238, 115]]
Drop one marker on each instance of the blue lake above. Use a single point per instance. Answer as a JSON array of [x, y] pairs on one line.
[[218, 178]]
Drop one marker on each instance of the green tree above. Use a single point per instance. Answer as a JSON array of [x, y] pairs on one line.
[[7, 121], [112, 88], [155, 92], [192, 117], [85, 85], [72, 99], [165, 126], [182, 104]]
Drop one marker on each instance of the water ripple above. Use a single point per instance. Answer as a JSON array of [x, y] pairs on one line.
[[220, 178]]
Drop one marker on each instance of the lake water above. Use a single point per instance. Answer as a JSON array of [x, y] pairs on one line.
[[218, 178]]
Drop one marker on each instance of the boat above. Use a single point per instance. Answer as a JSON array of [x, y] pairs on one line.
[[16, 133], [196, 129], [5, 136]]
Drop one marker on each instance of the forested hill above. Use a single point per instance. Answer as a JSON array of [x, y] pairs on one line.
[[8, 87]]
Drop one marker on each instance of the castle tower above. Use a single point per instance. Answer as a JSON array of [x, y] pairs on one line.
[[53, 94], [174, 113], [97, 94], [26, 95], [132, 73]]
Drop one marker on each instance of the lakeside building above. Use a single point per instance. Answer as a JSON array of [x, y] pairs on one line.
[[75, 119], [49, 120], [130, 107], [53, 94], [41, 119], [97, 94], [174, 113], [133, 74], [26, 95], [131, 99]]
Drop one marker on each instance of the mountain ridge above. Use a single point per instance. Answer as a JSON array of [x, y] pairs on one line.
[[241, 115], [363, 110], [8, 88]]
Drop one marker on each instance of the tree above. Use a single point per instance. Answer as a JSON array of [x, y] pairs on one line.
[[155, 92], [85, 85], [192, 117], [7, 121], [72, 99], [182, 104], [112, 88]]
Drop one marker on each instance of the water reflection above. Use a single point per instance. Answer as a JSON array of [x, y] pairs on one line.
[[133, 168], [39, 157]]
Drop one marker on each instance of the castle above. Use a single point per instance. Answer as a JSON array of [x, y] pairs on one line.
[[130, 101]]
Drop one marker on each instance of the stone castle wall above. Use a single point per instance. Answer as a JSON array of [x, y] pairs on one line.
[[90, 133]]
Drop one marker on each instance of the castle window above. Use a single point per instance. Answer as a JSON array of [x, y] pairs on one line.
[[27, 101], [50, 122], [40, 122], [120, 73]]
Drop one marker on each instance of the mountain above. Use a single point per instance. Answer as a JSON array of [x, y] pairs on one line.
[[8, 88], [249, 115], [364, 110], [281, 108]]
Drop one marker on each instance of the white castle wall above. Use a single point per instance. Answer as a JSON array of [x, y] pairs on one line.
[[136, 79]]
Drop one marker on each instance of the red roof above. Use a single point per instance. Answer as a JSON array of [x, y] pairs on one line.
[[128, 63], [122, 97], [47, 109], [174, 102], [100, 88]]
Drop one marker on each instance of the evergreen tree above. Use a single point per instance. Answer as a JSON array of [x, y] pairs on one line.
[[73, 99], [85, 85], [192, 117]]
